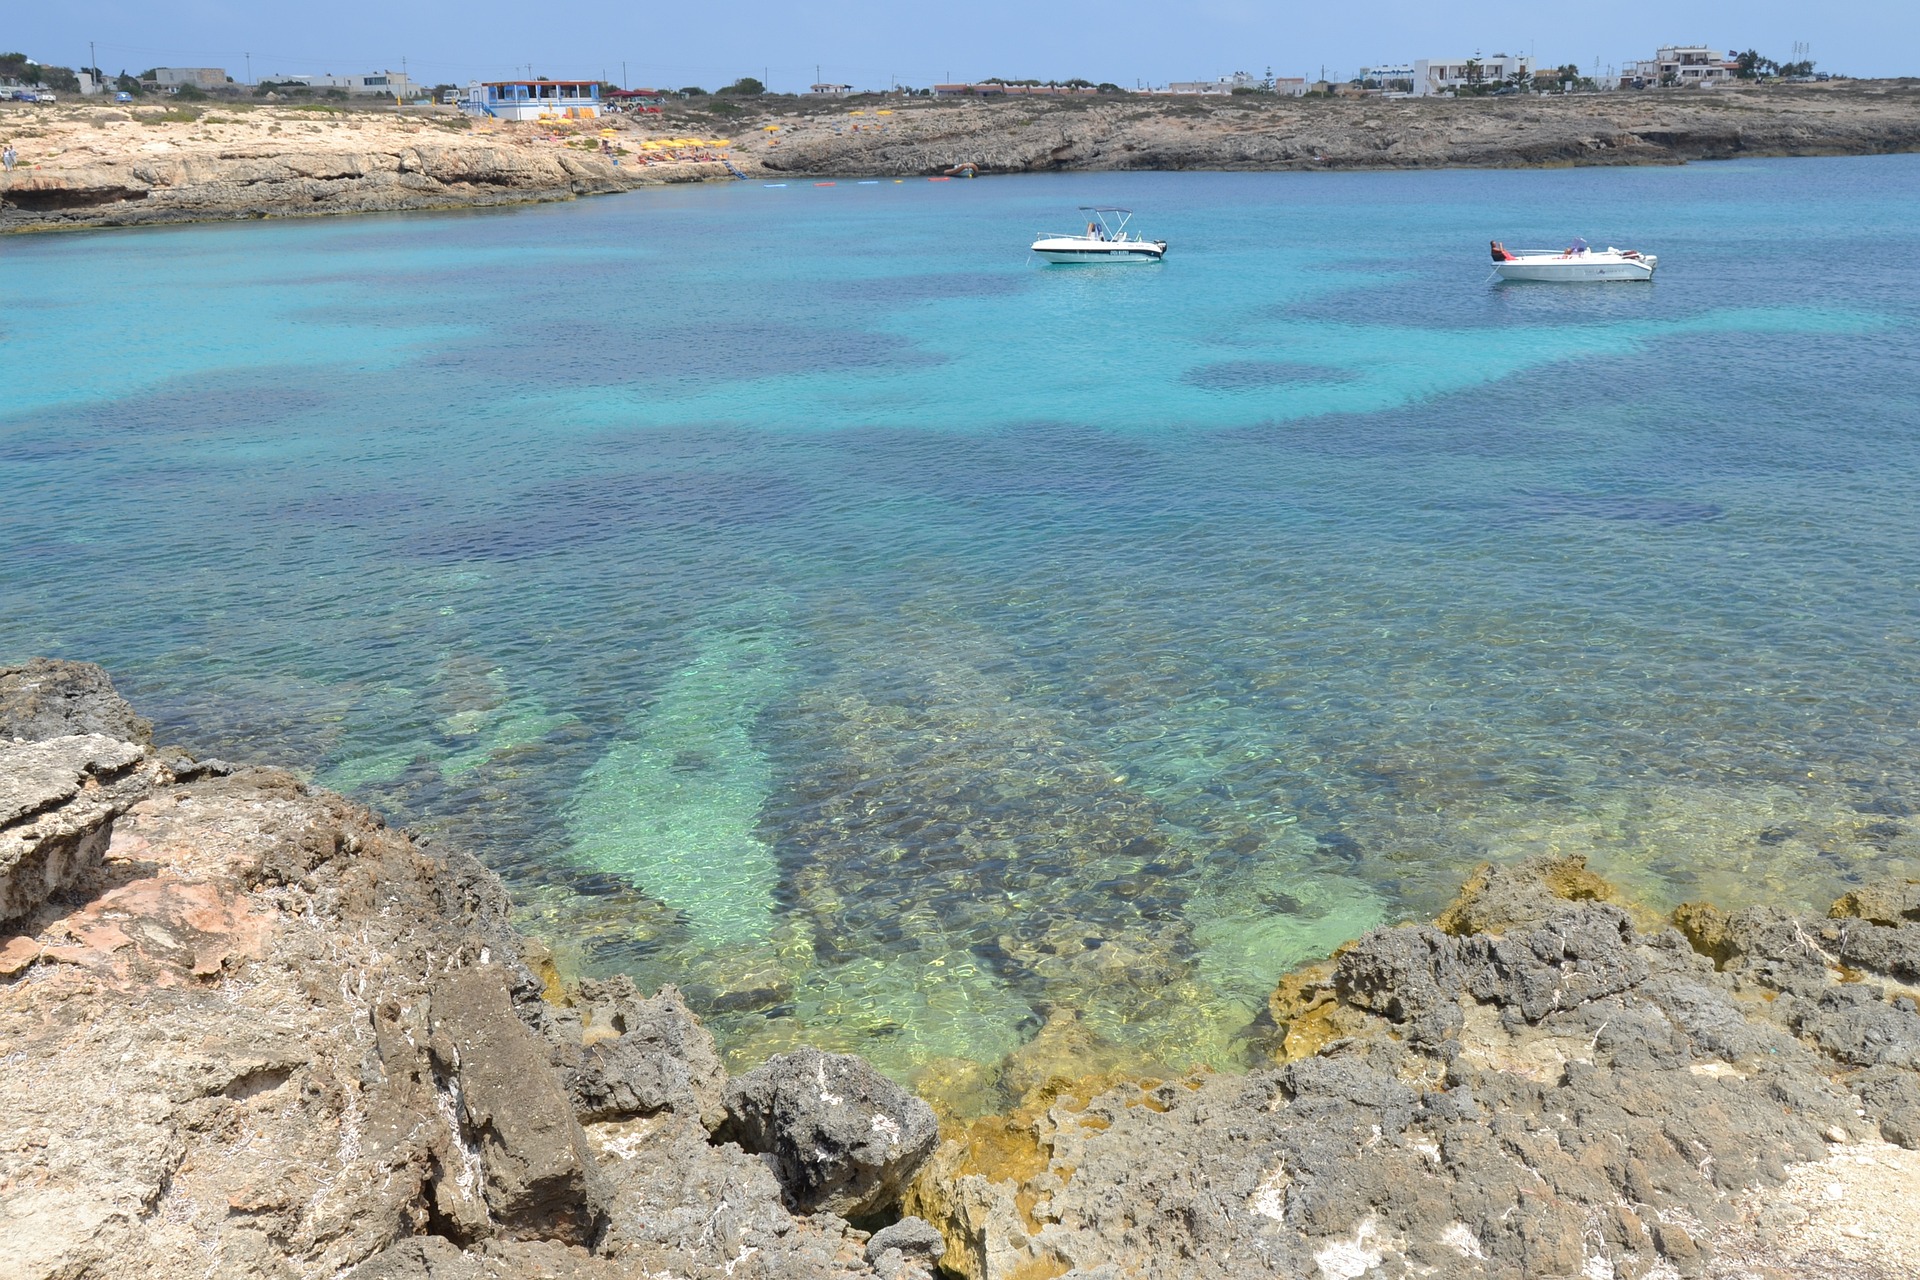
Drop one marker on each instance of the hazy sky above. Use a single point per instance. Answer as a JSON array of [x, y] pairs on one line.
[[870, 42]]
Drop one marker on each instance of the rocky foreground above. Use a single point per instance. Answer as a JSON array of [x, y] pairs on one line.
[[86, 165], [248, 1030]]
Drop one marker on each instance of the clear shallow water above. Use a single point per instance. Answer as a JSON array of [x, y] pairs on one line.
[[798, 595]]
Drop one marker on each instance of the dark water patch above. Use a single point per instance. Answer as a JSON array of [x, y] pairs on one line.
[[180, 410], [1050, 459], [371, 506], [663, 351], [1641, 508], [1262, 375], [592, 509], [901, 290]]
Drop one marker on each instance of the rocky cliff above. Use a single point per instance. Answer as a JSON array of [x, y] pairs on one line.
[[247, 1030], [89, 166]]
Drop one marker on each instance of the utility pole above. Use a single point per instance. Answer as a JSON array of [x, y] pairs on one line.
[[249, 68], [623, 74]]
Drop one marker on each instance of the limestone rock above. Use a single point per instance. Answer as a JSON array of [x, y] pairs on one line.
[[1569, 1095], [911, 1237], [1894, 952], [1891, 1098], [541, 1181], [645, 1057], [907, 1250], [58, 800], [1499, 896], [49, 698], [839, 1136], [1892, 903]]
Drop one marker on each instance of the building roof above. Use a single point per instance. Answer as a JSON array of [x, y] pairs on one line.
[[574, 84]]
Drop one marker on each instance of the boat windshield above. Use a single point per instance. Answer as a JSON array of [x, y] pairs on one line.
[[1107, 223]]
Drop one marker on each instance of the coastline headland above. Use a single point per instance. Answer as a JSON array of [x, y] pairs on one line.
[[89, 166], [251, 1031]]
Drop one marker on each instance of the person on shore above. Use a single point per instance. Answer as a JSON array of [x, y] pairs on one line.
[[8, 158]]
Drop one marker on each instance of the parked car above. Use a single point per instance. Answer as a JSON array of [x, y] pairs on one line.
[[123, 96], [24, 95], [45, 97]]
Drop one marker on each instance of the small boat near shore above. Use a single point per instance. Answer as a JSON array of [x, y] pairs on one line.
[[1575, 264], [1106, 240]]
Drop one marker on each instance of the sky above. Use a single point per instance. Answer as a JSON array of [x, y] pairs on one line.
[[874, 43]]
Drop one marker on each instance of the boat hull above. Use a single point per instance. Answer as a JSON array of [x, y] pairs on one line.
[[1067, 252], [1581, 270]]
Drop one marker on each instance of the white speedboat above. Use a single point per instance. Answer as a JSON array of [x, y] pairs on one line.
[[1106, 240], [1576, 262]]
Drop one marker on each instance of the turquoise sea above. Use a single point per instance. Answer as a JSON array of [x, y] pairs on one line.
[[799, 595]]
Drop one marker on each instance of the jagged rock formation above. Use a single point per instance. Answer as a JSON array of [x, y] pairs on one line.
[[49, 698], [1571, 1095], [58, 800], [841, 1136], [265, 1035]]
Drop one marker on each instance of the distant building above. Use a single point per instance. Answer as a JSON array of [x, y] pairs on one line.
[[533, 99], [171, 79], [830, 90], [1389, 77], [1224, 85], [1290, 86], [88, 85], [992, 89], [1435, 76], [1689, 65], [384, 84]]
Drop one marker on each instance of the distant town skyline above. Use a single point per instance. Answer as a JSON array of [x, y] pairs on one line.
[[871, 44]]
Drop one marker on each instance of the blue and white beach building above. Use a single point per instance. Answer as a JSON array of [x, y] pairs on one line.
[[533, 99]]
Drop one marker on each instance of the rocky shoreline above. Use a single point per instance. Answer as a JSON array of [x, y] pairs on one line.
[[1094, 135], [86, 166], [101, 167], [249, 1030]]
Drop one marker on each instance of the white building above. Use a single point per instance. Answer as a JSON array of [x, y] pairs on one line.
[[1693, 65], [385, 84], [1224, 85], [830, 90], [1389, 77], [533, 99], [1433, 76]]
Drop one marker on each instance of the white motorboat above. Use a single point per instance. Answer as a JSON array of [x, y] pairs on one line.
[[1575, 263], [1106, 240]]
